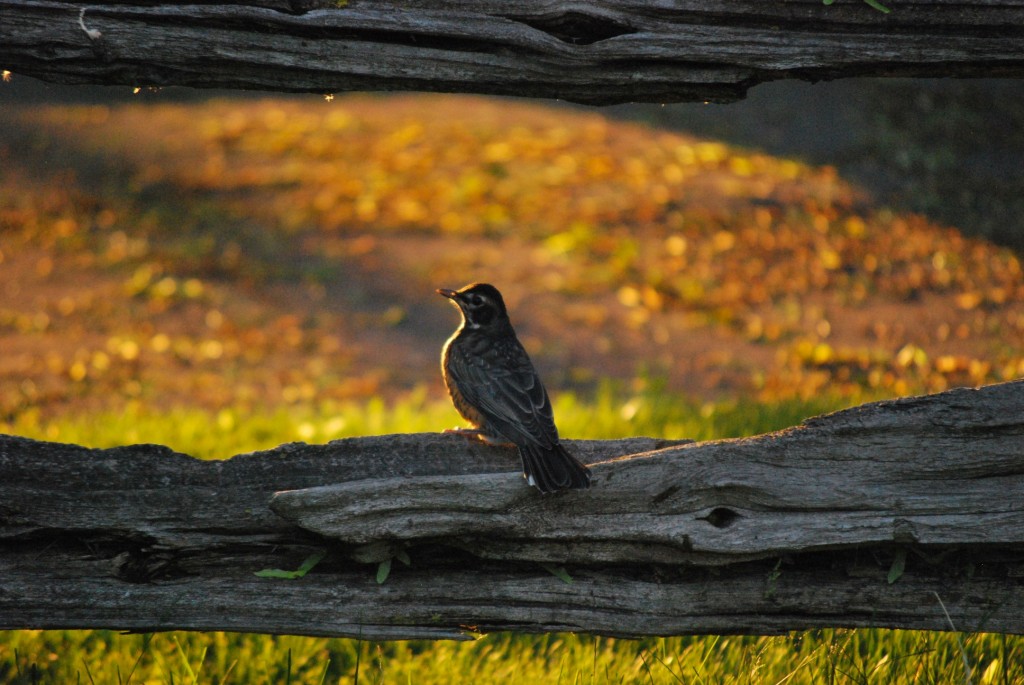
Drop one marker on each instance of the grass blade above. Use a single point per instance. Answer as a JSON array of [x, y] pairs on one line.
[[304, 568], [184, 660], [146, 639]]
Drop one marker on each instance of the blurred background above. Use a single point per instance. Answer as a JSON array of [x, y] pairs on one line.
[[220, 250], [221, 272]]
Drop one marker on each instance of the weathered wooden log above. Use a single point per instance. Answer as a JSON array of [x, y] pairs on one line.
[[599, 52], [866, 517]]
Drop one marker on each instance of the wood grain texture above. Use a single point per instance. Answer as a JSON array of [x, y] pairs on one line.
[[598, 52], [842, 481], [792, 530]]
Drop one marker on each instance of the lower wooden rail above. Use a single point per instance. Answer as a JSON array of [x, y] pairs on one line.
[[908, 513]]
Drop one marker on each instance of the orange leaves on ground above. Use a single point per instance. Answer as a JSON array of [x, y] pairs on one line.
[[719, 267]]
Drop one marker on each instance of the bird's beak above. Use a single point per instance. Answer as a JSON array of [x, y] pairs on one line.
[[450, 294]]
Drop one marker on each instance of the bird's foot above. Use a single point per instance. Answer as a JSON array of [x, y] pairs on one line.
[[465, 432], [477, 434]]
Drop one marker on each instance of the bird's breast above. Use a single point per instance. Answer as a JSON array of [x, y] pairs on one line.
[[453, 356]]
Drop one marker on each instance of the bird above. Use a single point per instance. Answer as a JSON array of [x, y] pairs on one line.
[[495, 387]]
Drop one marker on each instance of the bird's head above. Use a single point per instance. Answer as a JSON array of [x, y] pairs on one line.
[[480, 303]]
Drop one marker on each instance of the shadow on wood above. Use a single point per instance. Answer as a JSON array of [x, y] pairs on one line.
[[865, 517]]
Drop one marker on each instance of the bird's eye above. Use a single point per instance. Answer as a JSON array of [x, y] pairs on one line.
[[476, 300]]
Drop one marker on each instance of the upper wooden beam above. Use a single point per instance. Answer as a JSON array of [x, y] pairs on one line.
[[598, 52]]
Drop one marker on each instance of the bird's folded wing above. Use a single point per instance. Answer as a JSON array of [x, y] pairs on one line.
[[510, 396]]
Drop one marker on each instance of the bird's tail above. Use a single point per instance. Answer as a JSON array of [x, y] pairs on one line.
[[553, 469]]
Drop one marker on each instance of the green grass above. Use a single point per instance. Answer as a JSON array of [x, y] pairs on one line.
[[823, 656], [607, 413]]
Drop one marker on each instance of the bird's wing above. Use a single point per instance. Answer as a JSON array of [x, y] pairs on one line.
[[503, 385]]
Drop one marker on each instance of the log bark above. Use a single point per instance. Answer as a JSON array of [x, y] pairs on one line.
[[866, 517], [597, 52]]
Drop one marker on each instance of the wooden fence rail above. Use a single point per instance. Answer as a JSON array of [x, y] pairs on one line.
[[880, 515], [599, 51]]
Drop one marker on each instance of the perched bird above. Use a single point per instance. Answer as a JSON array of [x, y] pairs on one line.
[[494, 386]]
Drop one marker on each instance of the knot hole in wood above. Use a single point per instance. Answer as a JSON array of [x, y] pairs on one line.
[[721, 517]]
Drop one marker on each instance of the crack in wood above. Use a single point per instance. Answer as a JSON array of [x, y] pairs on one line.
[[146, 565], [576, 27]]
